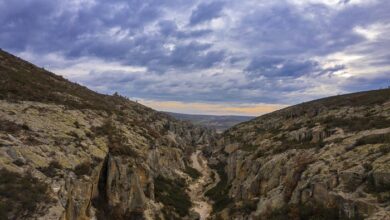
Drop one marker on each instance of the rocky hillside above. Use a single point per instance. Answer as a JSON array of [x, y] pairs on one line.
[[67, 152], [325, 159]]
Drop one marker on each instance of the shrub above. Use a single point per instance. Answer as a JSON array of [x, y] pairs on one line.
[[12, 127], [384, 149], [118, 143], [83, 169], [192, 172], [373, 139], [172, 194], [246, 207], [220, 192], [249, 147], [51, 170], [21, 195], [308, 212], [294, 144], [77, 124], [356, 123]]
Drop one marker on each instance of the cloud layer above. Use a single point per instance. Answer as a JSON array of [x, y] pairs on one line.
[[241, 52]]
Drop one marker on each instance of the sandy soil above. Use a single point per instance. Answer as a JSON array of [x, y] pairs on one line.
[[197, 188]]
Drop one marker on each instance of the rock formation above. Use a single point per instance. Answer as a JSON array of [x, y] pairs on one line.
[[92, 155], [326, 159]]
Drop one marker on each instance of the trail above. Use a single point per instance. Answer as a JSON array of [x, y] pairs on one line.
[[202, 205]]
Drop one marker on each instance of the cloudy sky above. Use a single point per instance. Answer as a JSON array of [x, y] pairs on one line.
[[217, 57]]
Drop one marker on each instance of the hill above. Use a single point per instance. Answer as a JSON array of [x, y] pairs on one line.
[[67, 152], [324, 159]]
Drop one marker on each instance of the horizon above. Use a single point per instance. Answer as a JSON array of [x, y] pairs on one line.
[[206, 57]]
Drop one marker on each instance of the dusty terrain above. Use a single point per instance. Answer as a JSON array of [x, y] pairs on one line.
[[197, 189]]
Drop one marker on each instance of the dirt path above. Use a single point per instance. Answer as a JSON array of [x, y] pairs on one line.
[[197, 188]]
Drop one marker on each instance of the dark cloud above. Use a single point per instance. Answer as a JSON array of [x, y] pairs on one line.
[[268, 51], [205, 12], [278, 67], [193, 55], [364, 83], [170, 29]]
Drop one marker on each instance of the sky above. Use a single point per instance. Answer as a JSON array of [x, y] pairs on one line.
[[224, 57]]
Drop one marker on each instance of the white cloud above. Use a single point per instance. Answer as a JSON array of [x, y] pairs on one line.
[[77, 68]]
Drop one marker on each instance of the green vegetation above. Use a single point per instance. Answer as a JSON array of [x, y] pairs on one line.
[[172, 194], [308, 212], [220, 193], [246, 207], [20, 195], [84, 168], [294, 144], [356, 123], [51, 170], [313, 108], [374, 139], [249, 147], [193, 173], [118, 143], [11, 127]]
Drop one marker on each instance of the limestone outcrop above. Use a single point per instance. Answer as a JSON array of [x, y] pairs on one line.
[[326, 159], [90, 156]]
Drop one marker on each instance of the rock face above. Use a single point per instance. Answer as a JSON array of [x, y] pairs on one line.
[[93, 156], [326, 159]]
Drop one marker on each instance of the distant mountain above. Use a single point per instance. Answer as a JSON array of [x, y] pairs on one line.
[[219, 122]]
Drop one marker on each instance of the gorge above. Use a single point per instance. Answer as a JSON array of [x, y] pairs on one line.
[[67, 153]]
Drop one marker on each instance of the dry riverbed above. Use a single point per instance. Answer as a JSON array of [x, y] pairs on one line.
[[202, 204]]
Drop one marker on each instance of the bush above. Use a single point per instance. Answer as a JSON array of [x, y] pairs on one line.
[[83, 169], [356, 123], [21, 195], [294, 144], [220, 192], [384, 149], [308, 212], [247, 207], [51, 170], [192, 172], [172, 194], [249, 147], [373, 139], [12, 127], [117, 141]]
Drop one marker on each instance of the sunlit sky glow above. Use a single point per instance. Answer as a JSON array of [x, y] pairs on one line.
[[206, 57]]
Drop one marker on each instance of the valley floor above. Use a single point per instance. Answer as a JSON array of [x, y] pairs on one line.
[[202, 204]]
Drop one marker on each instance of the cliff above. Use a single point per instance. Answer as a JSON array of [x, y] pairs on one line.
[[325, 159], [67, 152]]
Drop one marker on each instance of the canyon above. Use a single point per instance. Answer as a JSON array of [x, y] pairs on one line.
[[67, 152]]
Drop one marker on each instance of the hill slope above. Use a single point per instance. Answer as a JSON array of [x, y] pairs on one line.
[[325, 159], [67, 152]]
